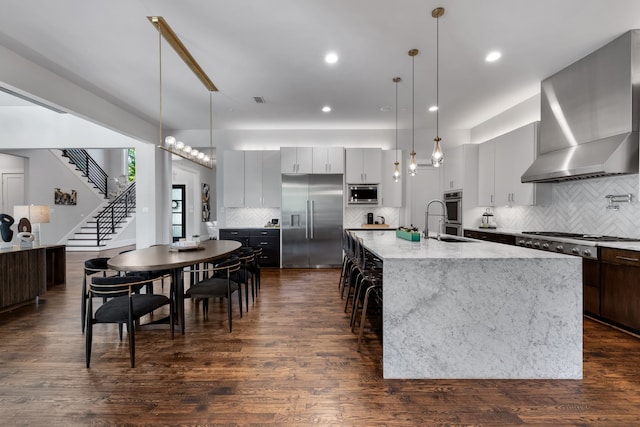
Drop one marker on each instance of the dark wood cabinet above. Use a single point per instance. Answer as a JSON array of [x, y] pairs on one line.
[[267, 239], [56, 259], [507, 239], [591, 286], [238, 234], [620, 292], [22, 276]]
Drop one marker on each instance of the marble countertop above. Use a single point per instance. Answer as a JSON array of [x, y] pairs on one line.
[[388, 246], [627, 245]]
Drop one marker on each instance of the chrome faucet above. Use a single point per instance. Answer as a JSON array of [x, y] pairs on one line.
[[426, 218]]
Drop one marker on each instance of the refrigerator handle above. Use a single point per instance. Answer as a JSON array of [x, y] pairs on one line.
[[306, 220], [311, 218]]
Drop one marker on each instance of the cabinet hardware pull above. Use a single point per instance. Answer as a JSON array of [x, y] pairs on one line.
[[625, 258]]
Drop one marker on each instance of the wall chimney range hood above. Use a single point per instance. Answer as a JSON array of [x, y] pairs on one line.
[[589, 116]]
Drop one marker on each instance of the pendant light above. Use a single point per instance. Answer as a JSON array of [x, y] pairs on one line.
[[170, 143], [437, 158], [396, 172], [412, 162]]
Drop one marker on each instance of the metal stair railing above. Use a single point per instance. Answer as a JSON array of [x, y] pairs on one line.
[[89, 167], [115, 212]]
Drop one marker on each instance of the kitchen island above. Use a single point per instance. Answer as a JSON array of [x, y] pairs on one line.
[[478, 310]]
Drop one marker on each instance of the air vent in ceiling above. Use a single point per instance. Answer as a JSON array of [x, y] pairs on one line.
[[259, 99]]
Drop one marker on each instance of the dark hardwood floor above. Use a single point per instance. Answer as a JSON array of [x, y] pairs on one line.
[[290, 361]]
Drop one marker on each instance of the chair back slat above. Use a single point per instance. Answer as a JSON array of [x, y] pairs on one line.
[[116, 285]]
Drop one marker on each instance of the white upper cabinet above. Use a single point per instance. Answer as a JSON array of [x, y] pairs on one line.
[[271, 179], [392, 192], [486, 174], [461, 172], [252, 179], [296, 159], [233, 179], [513, 153], [453, 169], [328, 160], [363, 165]]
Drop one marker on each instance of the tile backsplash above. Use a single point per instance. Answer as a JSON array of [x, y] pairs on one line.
[[578, 207], [354, 217], [249, 217]]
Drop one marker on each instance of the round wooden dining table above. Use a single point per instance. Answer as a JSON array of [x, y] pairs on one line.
[[164, 257]]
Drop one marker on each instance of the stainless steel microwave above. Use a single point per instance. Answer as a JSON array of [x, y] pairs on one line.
[[363, 194]]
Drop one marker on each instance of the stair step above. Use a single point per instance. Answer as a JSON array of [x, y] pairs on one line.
[[72, 244]]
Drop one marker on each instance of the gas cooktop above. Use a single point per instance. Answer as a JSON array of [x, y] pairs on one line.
[[578, 236]]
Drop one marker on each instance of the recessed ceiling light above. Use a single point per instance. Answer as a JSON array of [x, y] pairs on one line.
[[493, 56], [326, 109], [433, 108], [331, 58], [385, 108]]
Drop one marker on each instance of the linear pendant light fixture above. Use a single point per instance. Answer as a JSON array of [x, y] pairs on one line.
[[396, 172], [412, 161], [170, 143], [437, 158]]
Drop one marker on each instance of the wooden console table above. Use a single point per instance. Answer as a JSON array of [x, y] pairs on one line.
[[25, 273], [56, 260]]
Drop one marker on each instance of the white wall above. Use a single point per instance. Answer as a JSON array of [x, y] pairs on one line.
[[519, 115], [9, 164], [193, 176], [30, 79], [37, 127], [43, 173]]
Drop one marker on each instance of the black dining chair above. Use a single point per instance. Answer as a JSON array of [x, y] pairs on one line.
[[246, 273], [92, 266], [152, 275], [218, 283], [124, 305]]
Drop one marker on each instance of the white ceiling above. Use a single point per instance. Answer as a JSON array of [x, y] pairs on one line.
[[275, 49]]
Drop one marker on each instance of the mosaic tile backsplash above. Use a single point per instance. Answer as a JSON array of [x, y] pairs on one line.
[[578, 207]]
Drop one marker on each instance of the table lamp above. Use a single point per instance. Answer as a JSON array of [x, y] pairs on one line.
[[38, 214]]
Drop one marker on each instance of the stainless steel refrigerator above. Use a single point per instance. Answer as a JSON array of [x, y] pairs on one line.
[[312, 220]]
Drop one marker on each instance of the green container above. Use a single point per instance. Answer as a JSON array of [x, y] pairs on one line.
[[412, 236]]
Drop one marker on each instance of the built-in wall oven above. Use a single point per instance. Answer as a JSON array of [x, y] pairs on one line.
[[453, 203]]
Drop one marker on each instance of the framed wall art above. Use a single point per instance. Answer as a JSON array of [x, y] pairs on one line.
[[69, 197], [206, 205]]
